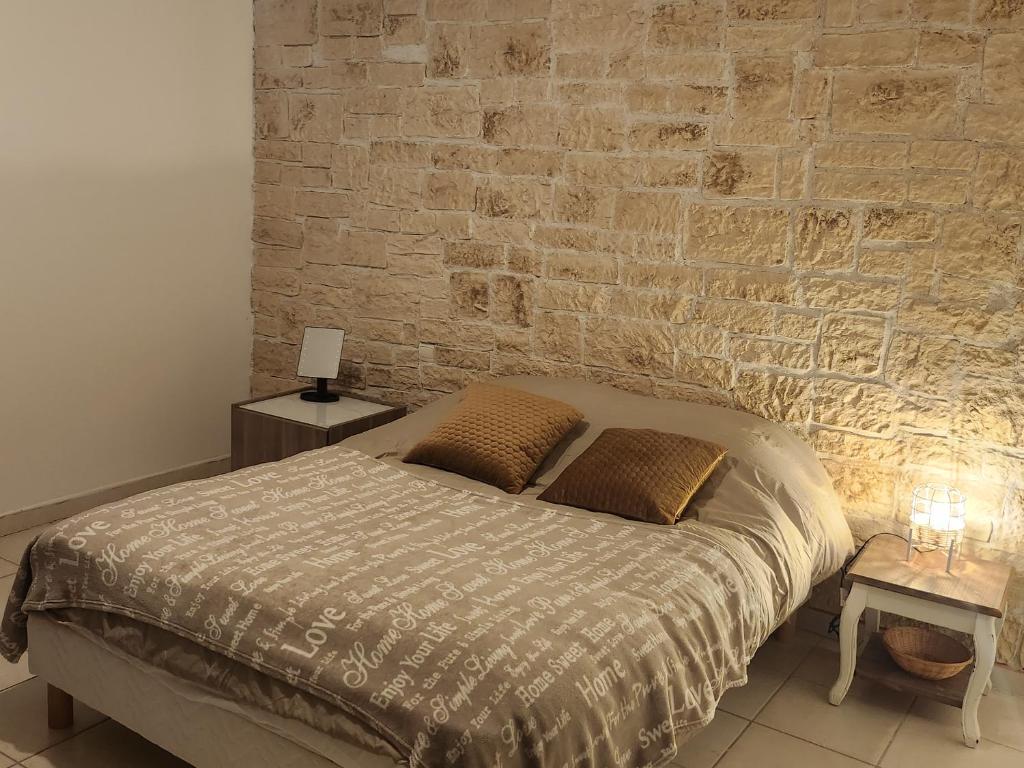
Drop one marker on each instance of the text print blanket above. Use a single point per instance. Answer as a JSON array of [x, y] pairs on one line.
[[464, 629]]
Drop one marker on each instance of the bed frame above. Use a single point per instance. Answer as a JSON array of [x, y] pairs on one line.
[[174, 714]]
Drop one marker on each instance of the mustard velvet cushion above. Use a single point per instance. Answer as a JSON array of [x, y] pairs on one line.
[[642, 474], [496, 435]]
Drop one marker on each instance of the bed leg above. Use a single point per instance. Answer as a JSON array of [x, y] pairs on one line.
[[786, 632], [60, 708]]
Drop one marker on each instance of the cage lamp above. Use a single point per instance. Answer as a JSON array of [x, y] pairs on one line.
[[938, 514]]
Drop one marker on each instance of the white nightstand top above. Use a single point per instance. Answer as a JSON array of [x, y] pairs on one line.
[[325, 415]]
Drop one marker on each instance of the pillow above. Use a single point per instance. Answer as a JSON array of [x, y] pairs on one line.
[[641, 474], [497, 435]]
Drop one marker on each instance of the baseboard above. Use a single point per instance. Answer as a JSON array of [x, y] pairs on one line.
[[58, 509]]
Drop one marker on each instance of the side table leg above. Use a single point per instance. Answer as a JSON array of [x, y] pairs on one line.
[[985, 656], [855, 604], [999, 631]]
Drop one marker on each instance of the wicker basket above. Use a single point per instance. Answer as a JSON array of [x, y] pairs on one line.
[[926, 653]]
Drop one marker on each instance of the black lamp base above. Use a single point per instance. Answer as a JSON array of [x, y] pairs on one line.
[[320, 394]]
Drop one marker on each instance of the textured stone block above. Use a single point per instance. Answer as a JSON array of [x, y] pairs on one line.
[[649, 305], [999, 180], [285, 22], [599, 129], [749, 173], [512, 300], [271, 110], [315, 117], [670, 172], [764, 86], [866, 407], [995, 122], [510, 198], [584, 205], [946, 46], [581, 267], [776, 287], [852, 344], [862, 154], [679, 99], [775, 397], [697, 24], [824, 239], [939, 190], [919, 102], [1003, 78], [767, 353], [772, 10], [521, 125], [558, 336], [659, 212], [833, 293], [888, 47], [981, 246], [897, 224], [395, 187], [737, 235], [351, 17], [499, 50], [859, 186], [470, 294], [922, 363], [450, 190], [442, 112], [277, 232], [628, 346], [665, 136]]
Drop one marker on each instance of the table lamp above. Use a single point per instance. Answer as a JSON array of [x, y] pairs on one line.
[[937, 519], [320, 359]]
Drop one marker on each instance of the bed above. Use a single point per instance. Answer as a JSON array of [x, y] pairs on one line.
[[341, 608]]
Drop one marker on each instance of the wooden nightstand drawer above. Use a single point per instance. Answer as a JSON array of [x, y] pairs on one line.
[[276, 427]]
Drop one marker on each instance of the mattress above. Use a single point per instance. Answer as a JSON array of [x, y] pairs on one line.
[[769, 475]]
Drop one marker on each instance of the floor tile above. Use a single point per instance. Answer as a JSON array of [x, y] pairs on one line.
[[6, 762], [821, 665], [931, 736], [764, 748], [1008, 681], [7, 568], [23, 729], [12, 546], [861, 727], [108, 745], [705, 748], [772, 664]]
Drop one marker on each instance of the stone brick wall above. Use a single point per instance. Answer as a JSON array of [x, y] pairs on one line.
[[810, 210]]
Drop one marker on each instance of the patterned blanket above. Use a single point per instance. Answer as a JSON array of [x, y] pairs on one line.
[[462, 628]]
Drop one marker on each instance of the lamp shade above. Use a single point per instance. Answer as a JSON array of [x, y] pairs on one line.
[[938, 514]]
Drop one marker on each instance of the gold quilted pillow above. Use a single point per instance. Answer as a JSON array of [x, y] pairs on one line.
[[641, 474], [497, 435]]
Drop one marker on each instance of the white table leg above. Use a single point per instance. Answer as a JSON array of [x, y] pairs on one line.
[[999, 631], [985, 656], [856, 602]]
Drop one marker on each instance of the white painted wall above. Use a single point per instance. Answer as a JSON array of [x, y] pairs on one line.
[[125, 210]]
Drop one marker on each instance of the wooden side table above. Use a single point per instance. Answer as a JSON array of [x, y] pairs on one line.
[[971, 599], [276, 427]]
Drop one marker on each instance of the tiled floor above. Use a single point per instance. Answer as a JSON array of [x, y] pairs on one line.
[[780, 719]]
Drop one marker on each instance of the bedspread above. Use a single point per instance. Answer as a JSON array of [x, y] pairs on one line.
[[461, 628]]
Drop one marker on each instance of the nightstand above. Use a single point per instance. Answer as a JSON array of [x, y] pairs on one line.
[[276, 427], [971, 599]]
